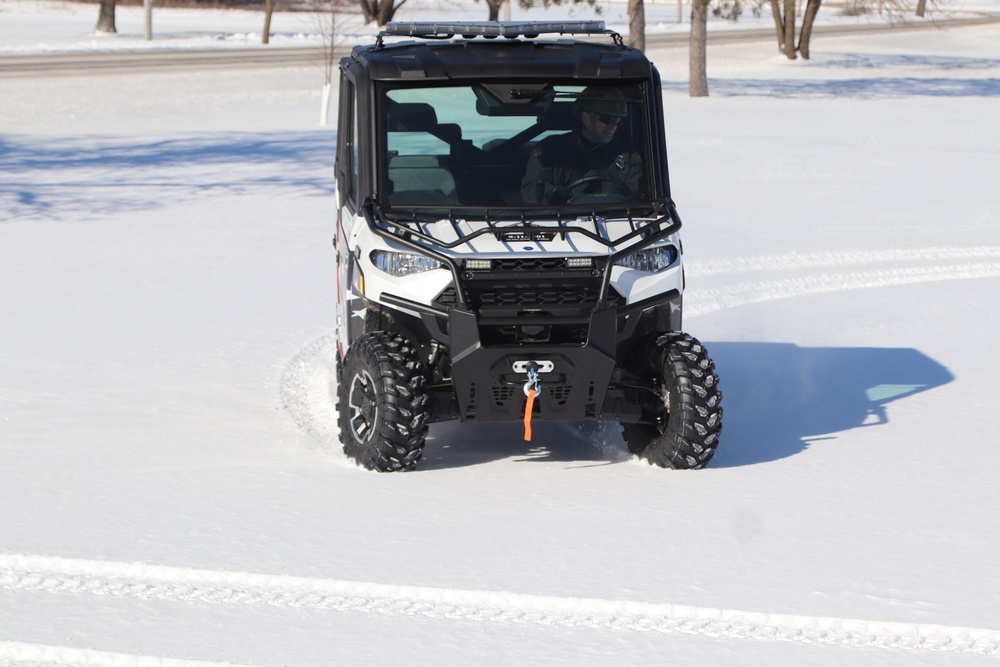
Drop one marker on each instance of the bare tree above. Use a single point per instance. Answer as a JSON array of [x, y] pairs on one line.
[[147, 7], [494, 7], [380, 11], [328, 29], [697, 50], [106, 17], [895, 10], [784, 24], [265, 37], [922, 6], [637, 24], [805, 35]]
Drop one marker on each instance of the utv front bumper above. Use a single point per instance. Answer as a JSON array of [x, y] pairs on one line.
[[577, 381], [570, 324]]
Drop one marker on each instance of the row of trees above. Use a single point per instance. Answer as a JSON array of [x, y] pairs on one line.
[[791, 42]]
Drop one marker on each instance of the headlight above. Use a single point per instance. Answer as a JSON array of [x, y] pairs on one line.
[[650, 260], [401, 264]]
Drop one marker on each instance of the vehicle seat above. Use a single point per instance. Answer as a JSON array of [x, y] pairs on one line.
[[420, 179]]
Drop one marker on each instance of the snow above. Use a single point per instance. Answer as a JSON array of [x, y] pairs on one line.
[[171, 492]]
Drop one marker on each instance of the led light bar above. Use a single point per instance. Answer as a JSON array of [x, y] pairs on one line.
[[509, 30], [478, 264]]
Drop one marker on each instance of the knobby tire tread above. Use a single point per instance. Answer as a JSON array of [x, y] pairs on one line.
[[689, 434], [400, 429]]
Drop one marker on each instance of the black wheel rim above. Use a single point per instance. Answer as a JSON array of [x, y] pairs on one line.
[[656, 404], [363, 406]]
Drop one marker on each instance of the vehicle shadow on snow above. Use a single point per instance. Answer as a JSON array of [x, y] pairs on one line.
[[779, 397], [79, 177], [578, 444]]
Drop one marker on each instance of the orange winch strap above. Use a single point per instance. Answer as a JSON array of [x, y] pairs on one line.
[[528, 407]]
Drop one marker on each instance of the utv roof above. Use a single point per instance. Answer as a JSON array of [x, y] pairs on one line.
[[442, 51]]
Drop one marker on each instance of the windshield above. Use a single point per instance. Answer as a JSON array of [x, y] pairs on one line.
[[514, 145]]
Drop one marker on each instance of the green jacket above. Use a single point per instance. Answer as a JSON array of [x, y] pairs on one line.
[[562, 159]]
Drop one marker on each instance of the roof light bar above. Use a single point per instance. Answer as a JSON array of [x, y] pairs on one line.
[[510, 30]]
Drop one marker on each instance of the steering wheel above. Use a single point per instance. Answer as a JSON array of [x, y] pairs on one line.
[[577, 187]]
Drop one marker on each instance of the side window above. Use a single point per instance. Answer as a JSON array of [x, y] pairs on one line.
[[347, 145]]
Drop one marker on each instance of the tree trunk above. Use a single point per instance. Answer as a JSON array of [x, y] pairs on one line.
[[106, 17], [387, 10], [265, 37], [147, 32], [494, 6], [637, 24], [366, 11], [697, 61], [807, 25], [921, 6], [382, 11], [779, 25], [789, 12]]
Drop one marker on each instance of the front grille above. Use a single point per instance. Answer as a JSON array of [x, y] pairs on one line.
[[548, 311], [530, 264], [535, 295]]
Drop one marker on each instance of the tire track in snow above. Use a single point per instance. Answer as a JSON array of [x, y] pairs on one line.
[[141, 580], [797, 261], [709, 300], [20, 653]]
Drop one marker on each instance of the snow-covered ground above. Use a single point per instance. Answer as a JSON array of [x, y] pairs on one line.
[[171, 492]]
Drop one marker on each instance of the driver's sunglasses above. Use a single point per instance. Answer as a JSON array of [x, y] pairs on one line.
[[610, 120]]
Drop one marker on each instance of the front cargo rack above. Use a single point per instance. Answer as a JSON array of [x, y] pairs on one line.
[[493, 29], [411, 237]]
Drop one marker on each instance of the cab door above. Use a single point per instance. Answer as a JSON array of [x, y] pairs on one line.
[[348, 194]]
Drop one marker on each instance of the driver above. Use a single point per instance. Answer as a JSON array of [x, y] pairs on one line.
[[590, 159]]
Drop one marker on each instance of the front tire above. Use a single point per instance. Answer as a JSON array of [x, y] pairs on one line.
[[381, 403], [685, 415]]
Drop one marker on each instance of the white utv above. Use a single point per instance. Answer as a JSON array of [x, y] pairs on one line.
[[471, 286]]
